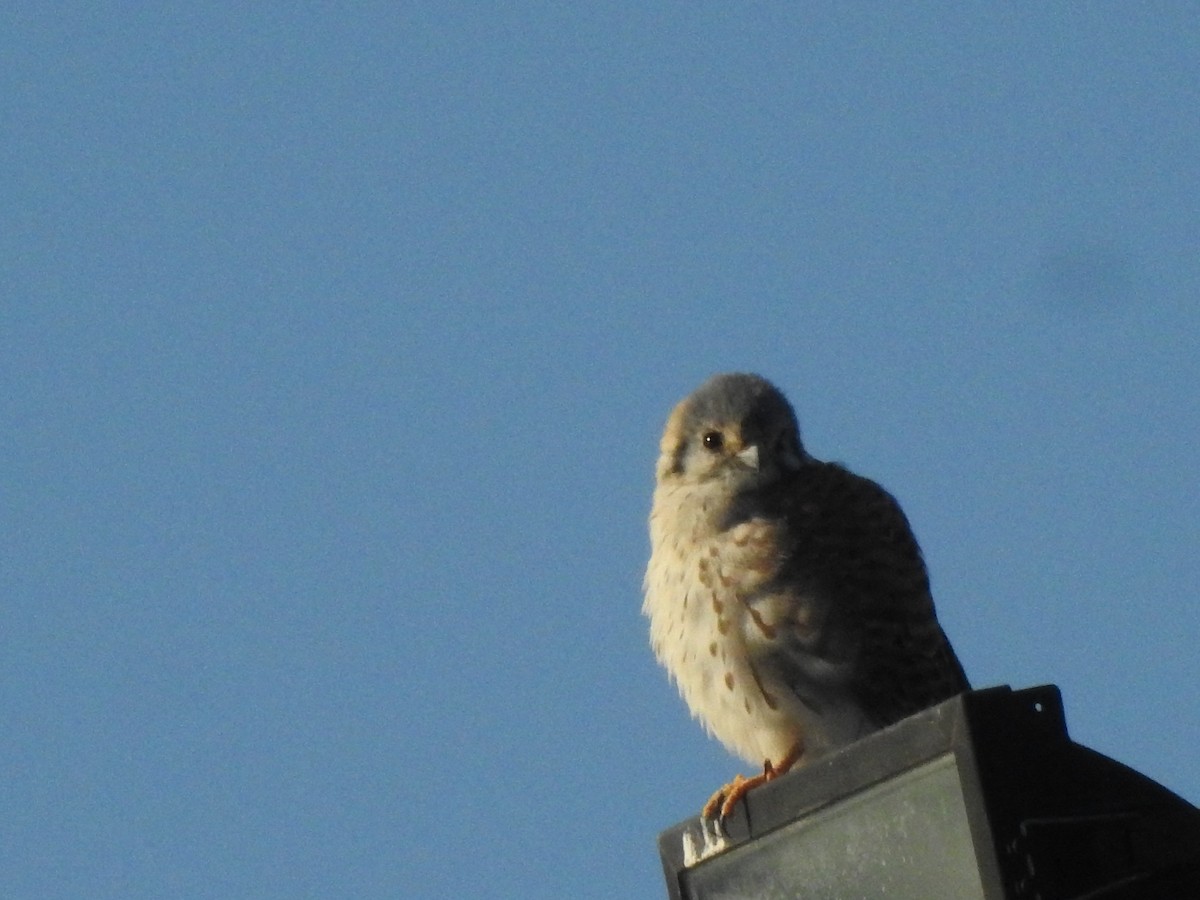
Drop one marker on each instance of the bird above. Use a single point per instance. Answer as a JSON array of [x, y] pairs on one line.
[[787, 597]]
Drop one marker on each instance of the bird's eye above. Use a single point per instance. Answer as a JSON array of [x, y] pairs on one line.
[[713, 440]]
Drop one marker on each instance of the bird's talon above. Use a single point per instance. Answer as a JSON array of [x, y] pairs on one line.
[[720, 806], [715, 808]]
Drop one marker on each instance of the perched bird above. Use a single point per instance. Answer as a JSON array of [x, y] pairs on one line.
[[787, 597]]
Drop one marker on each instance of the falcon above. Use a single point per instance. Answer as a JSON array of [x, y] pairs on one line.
[[787, 597]]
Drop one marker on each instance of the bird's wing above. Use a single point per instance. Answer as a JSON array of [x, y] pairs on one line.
[[851, 545]]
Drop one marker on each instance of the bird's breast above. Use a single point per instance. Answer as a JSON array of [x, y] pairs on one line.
[[709, 635]]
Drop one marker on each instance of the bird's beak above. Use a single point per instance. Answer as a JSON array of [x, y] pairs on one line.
[[749, 456]]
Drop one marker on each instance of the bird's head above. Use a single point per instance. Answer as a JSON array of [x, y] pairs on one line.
[[735, 429]]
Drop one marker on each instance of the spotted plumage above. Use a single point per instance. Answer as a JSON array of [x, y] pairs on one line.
[[787, 597]]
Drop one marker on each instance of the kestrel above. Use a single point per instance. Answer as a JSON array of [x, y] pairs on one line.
[[787, 597]]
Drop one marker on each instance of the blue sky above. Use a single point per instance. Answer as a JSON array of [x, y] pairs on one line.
[[338, 343]]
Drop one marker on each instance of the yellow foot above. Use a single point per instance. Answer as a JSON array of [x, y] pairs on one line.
[[721, 804]]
